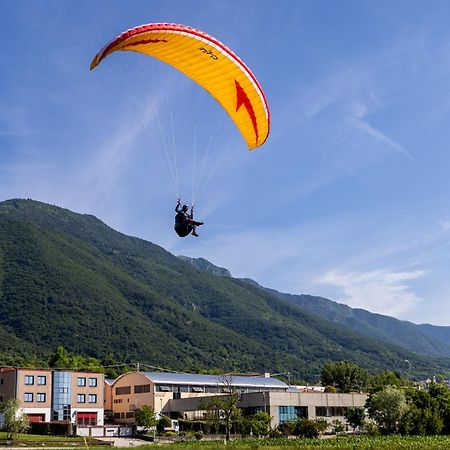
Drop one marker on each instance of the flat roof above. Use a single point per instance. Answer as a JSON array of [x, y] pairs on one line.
[[215, 380]]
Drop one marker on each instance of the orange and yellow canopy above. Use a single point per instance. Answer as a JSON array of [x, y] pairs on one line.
[[209, 63]]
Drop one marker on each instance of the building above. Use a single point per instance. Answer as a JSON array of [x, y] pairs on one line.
[[284, 406], [133, 389], [54, 395]]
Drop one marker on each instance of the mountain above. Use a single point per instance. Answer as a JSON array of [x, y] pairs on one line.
[[424, 339], [68, 279], [206, 266]]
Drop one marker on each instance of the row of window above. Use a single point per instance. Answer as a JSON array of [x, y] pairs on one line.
[[92, 382], [92, 398], [124, 415], [41, 397], [139, 389], [330, 411], [42, 381]]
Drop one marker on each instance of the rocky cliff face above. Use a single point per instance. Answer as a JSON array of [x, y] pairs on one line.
[[206, 266]]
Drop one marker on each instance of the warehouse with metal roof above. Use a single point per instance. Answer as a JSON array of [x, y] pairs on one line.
[[133, 389]]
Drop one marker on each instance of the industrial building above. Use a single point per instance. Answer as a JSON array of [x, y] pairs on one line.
[[134, 389], [285, 406], [180, 395]]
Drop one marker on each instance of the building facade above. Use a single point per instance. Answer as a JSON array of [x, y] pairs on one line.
[[284, 406], [133, 389], [55, 395]]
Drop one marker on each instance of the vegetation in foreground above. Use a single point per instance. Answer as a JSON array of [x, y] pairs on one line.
[[353, 443]]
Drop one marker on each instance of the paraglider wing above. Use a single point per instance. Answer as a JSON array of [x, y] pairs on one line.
[[209, 63]]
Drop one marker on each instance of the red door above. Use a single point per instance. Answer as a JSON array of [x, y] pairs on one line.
[[87, 418], [36, 417]]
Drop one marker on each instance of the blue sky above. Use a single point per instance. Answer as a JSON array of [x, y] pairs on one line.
[[349, 198]]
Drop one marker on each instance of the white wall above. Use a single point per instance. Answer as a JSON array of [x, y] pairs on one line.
[[46, 411]]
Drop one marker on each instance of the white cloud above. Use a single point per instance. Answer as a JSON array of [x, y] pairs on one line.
[[382, 291], [378, 136]]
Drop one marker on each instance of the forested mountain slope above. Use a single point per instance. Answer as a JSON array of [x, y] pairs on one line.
[[68, 279], [424, 339]]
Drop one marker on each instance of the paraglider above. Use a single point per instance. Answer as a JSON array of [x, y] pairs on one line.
[[210, 64], [184, 221]]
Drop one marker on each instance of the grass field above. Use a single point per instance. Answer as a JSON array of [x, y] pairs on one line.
[[350, 443], [344, 443]]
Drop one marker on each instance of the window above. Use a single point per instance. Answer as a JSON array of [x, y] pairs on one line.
[[292, 413], [92, 382], [81, 381], [321, 411], [29, 379], [129, 415], [81, 398], [139, 389], [337, 411], [63, 390], [42, 380], [123, 390], [118, 400], [92, 398], [164, 388], [40, 397], [28, 397], [116, 415], [197, 389]]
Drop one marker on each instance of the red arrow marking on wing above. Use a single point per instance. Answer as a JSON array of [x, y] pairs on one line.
[[147, 41], [242, 99]]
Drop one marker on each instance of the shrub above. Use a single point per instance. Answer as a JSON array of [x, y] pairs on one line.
[[198, 435], [306, 428]]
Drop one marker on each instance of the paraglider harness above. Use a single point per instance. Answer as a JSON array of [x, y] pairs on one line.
[[184, 221]]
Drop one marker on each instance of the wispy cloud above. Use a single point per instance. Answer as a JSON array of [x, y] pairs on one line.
[[377, 135], [383, 291]]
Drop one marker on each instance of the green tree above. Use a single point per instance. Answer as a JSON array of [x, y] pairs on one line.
[[260, 424], [145, 416], [429, 411], [227, 404], [163, 423], [211, 411], [322, 425], [59, 359], [387, 407], [355, 417], [329, 389], [285, 429], [306, 428], [14, 421], [387, 378], [345, 376], [338, 427], [441, 395]]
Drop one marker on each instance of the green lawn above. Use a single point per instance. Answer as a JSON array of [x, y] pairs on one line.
[[38, 437]]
